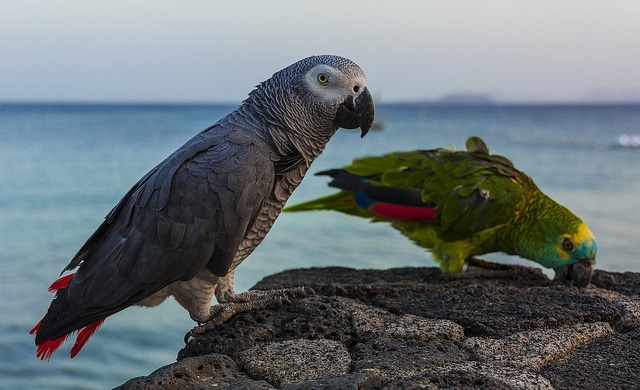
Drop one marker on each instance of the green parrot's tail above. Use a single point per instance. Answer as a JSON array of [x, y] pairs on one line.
[[331, 202], [341, 201]]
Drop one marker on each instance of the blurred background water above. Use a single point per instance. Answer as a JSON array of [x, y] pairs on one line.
[[63, 167]]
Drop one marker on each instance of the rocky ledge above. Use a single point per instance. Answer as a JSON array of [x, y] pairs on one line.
[[490, 327]]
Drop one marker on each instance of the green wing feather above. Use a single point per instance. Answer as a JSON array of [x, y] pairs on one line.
[[472, 190], [482, 202]]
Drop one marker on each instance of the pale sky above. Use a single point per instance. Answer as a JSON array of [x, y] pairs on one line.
[[215, 51]]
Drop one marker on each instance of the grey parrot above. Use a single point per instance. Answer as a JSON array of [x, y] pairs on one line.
[[187, 224]]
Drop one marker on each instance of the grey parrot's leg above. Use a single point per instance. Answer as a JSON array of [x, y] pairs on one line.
[[247, 301], [225, 292], [259, 295]]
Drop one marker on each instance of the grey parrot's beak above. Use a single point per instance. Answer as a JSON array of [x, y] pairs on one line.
[[578, 274], [358, 112]]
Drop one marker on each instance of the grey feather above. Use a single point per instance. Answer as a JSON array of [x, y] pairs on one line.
[[212, 201]]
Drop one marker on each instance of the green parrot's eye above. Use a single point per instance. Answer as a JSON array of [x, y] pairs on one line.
[[323, 78], [567, 244]]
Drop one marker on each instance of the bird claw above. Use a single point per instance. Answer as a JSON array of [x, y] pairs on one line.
[[249, 301], [296, 292]]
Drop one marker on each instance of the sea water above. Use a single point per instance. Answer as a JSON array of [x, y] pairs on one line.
[[63, 167]]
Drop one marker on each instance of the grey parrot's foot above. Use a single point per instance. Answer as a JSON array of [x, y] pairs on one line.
[[260, 295], [247, 301]]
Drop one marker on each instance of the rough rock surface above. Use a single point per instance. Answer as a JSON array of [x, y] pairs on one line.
[[490, 327]]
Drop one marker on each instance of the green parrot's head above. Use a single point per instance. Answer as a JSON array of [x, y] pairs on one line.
[[560, 240], [574, 256], [554, 237]]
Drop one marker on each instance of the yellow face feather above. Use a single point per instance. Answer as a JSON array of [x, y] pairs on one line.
[[582, 240]]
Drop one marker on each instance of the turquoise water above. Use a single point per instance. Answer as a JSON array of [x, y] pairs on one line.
[[63, 167]]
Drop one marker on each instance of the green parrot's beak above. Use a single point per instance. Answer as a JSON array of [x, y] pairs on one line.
[[578, 274]]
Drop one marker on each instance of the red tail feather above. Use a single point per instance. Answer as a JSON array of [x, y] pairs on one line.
[[83, 336], [48, 346], [60, 283], [35, 329]]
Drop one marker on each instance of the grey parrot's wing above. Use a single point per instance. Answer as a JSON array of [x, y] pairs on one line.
[[191, 211]]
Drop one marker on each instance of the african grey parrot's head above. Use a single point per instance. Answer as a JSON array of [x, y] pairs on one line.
[[314, 97]]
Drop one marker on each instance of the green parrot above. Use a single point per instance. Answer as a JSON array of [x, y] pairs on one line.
[[462, 204]]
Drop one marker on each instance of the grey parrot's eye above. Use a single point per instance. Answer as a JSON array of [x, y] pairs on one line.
[[356, 88], [323, 78], [567, 244]]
